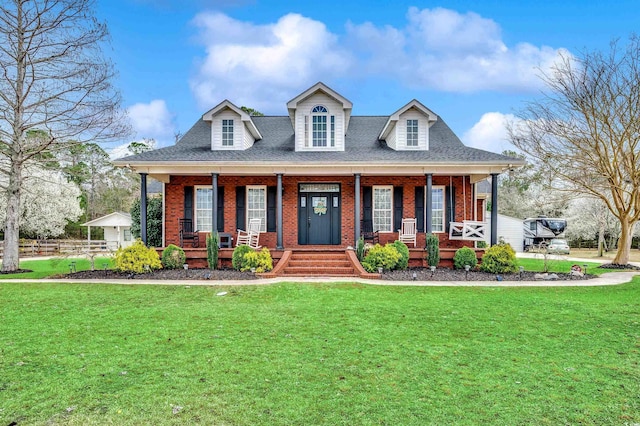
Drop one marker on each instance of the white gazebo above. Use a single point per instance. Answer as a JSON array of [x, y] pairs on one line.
[[117, 229]]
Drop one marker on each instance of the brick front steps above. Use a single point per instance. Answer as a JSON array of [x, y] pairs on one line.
[[319, 263]]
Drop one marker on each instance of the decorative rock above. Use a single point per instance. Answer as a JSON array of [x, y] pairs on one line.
[[551, 277], [577, 274], [540, 277]]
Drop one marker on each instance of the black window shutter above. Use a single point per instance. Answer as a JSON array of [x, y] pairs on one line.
[[271, 208], [188, 202], [241, 213], [420, 208], [367, 204], [221, 209], [397, 208], [450, 202]]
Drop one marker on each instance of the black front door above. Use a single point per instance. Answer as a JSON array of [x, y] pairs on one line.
[[319, 218]]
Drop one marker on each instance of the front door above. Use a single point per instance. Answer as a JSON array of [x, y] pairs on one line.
[[319, 214]]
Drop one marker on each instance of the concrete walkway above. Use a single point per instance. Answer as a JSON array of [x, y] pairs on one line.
[[612, 278]]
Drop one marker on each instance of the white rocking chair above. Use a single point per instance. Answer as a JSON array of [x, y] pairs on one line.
[[407, 234], [250, 237]]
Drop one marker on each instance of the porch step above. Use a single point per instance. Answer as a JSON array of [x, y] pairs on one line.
[[319, 263]]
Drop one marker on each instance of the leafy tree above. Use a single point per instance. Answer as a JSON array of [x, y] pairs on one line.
[[252, 112], [585, 132], [154, 221], [53, 78]]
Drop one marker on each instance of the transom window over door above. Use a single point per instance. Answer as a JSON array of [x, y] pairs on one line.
[[412, 132], [227, 132], [383, 208], [257, 205]]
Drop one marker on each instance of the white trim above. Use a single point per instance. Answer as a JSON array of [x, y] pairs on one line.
[[228, 132], [197, 226], [444, 208], [373, 207], [263, 227]]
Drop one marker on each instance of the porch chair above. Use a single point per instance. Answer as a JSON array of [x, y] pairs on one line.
[[187, 234], [407, 234], [250, 237], [367, 233]]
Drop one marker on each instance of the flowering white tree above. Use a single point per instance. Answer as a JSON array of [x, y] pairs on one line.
[[49, 201]]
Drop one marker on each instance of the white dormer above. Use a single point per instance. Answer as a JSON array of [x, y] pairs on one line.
[[231, 128], [320, 118], [408, 128]]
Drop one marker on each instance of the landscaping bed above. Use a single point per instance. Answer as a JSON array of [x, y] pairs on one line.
[[447, 274]]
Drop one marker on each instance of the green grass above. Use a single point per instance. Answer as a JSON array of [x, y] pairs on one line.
[[325, 354], [43, 268], [554, 265]]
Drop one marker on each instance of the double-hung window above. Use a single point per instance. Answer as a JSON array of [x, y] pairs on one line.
[[203, 209], [383, 208], [227, 132], [437, 209], [257, 205], [412, 132], [323, 127]]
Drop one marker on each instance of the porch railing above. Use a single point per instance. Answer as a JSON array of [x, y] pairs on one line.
[[468, 230]]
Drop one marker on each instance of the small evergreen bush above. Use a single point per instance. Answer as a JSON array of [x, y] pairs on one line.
[[481, 244], [239, 253], [360, 249], [402, 248], [260, 260], [212, 250], [499, 259], [465, 256], [135, 257], [381, 257], [173, 257], [433, 250]]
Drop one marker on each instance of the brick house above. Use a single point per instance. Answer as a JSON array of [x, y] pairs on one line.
[[317, 176]]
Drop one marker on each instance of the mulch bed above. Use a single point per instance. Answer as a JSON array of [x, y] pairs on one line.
[[446, 274]]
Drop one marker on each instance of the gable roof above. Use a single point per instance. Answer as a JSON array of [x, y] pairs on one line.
[[112, 219], [347, 106], [364, 153], [395, 117], [246, 118]]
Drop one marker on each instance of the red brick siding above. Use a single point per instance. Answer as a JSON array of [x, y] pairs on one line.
[[174, 204]]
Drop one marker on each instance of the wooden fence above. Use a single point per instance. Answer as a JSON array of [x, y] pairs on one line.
[[62, 247]]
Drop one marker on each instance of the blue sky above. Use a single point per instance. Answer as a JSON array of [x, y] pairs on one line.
[[472, 62]]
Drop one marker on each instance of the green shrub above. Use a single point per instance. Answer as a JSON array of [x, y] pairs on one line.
[[261, 261], [360, 249], [212, 250], [239, 253], [381, 257], [465, 256], [481, 244], [499, 259], [135, 257], [173, 257], [402, 248], [433, 250]]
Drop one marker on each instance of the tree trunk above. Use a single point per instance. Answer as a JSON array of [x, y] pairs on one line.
[[624, 243], [11, 260], [601, 240]]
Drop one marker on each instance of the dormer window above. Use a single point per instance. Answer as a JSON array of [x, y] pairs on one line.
[[323, 127], [227, 132], [412, 132]]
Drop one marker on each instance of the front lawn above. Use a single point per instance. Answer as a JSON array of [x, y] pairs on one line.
[[324, 354], [43, 268], [559, 265]]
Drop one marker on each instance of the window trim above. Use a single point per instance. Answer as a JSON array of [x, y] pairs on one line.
[[228, 130], [198, 226], [248, 188], [415, 125], [374, 209], [444, 208], [326, 126]]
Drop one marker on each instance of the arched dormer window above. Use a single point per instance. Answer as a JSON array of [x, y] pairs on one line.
[[323, 127]]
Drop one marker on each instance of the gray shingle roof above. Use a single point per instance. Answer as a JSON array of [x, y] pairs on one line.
[[362, 145]]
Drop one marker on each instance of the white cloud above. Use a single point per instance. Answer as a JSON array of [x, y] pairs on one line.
[[446, 50], [152, 121], [490, 133], [263, 66]]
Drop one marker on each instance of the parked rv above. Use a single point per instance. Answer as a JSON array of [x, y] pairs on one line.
[[539, 231]]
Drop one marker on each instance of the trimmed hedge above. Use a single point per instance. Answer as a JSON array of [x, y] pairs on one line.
[[173, 257], [465, 256]]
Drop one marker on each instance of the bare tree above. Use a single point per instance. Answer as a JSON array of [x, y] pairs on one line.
[[53, 78], [585, 131]]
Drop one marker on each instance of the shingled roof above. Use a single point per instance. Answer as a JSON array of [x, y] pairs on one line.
[[362, 146]]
